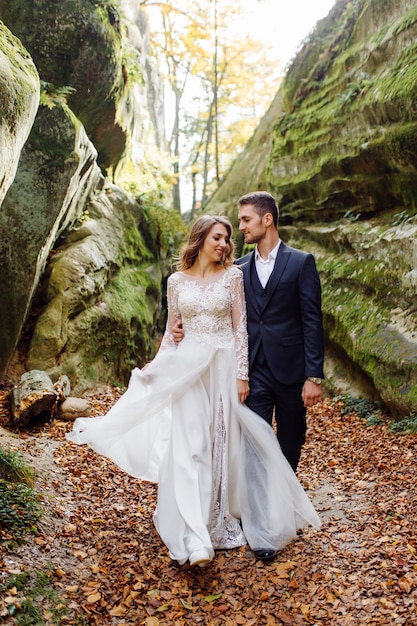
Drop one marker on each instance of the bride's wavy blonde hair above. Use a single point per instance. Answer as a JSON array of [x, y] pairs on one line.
[[199, 231]]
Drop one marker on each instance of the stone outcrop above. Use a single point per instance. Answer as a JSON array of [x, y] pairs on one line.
[[56, 174], [100, 296], [83, 260], [96, 54], [338, 149], [71, 408], [19, 99]]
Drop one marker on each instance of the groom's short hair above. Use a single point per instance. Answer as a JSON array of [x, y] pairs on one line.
[[263, 202]]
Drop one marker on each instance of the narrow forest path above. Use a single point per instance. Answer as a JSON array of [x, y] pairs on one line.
[[106, 564]]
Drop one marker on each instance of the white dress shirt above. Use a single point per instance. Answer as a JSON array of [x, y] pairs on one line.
[[264, 267]]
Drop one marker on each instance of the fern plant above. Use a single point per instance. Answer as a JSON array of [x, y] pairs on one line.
[[52, 96], [408, 425], [20, 506]]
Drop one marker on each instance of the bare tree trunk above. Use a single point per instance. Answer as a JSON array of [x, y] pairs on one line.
[[207, 155], [175, 151], [215, 96]]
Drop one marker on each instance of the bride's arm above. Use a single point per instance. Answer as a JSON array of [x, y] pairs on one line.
[[241, 335], [174, 316]]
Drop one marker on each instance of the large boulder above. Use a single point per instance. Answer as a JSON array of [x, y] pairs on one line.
[[87, 259], [83, 261], [19, 100], [95, 55], [56, 174], [100, 297]]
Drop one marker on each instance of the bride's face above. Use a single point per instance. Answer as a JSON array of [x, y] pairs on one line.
[[215, 244]]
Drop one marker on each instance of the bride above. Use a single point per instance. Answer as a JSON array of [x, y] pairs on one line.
[[223, 480]]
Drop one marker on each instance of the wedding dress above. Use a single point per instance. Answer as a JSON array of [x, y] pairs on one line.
[[222, 478]]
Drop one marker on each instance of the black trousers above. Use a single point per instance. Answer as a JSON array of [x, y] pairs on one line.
[[268, 397]]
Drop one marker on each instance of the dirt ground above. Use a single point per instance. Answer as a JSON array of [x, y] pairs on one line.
[[106, 564]]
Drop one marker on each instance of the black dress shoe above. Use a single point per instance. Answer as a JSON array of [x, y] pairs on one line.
[[265, 555]]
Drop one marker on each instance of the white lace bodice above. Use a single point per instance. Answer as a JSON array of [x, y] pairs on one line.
[[212, 310]]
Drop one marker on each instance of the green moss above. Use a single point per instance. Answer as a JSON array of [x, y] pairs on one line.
[[132, 66], [374, 278], [358, 320], [168, 227], [24, 79], [313, 129], [53, 135], [128, 296], [134, 245], [118, 334], [407, 20], [41, 603], [355, 312], [399, 83], [331, 36], [12, 47], [380, 35]]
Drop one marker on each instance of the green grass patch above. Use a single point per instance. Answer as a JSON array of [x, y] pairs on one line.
[[37, 587], [372, 412], [407, 425], [13, 468]]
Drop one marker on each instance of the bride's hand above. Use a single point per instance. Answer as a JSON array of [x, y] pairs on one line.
[[242, 389]]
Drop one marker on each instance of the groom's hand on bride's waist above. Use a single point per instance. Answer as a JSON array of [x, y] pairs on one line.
[[178, 332]]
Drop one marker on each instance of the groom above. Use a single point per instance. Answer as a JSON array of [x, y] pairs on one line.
[[286, 345]]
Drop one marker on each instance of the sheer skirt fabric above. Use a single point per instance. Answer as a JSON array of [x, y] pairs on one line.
[[223, 479]]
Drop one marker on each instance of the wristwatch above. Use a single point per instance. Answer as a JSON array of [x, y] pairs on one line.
[[316, 381]]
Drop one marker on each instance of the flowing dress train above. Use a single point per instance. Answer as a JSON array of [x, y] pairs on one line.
[[222, 478]]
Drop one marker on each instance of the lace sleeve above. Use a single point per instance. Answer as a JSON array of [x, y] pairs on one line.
[[173, 314], [239, 325]]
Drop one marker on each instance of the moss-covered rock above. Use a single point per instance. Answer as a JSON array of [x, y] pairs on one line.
[[102, 290], [56, 173], [84, 261], [96, 51], [19, 99], [341, 158], [76, 45]]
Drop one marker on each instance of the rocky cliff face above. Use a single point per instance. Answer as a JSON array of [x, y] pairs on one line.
[[19, 99], [338, 149], [99, 51], [82, 260]]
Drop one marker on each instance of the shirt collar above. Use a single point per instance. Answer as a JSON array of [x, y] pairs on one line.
[[271, 256]]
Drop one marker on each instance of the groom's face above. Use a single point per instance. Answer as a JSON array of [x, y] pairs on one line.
[[251, 224]]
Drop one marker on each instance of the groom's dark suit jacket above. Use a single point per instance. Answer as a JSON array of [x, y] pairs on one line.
[[285, 319]]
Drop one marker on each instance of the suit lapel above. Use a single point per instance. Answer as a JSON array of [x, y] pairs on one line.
[[250, 292]]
